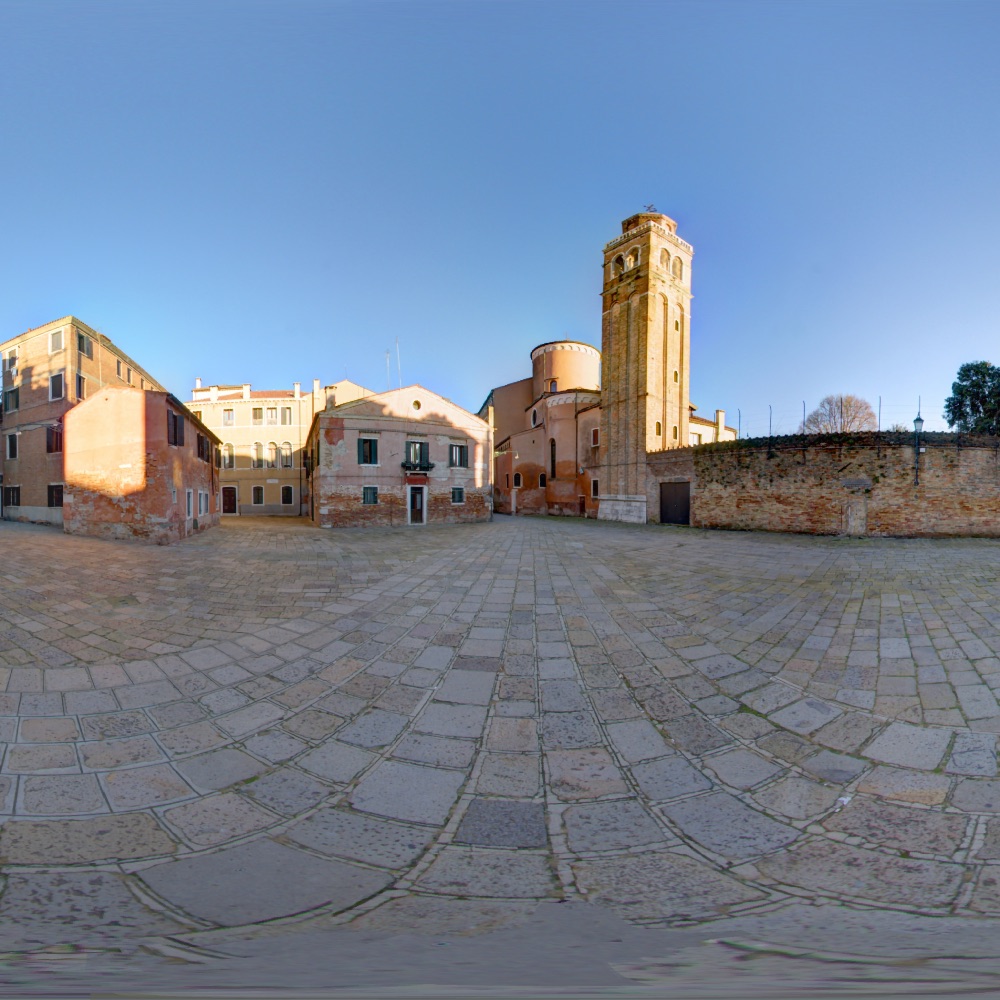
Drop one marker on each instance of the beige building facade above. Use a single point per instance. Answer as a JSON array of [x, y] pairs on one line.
[[403, 457], [263, 434], [46, 372]]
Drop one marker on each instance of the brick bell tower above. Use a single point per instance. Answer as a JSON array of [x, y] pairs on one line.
[[645, 346]]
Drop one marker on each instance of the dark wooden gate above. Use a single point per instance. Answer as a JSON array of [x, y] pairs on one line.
[[675, 503]]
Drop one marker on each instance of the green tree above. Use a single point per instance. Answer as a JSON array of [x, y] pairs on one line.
[[974, 404]]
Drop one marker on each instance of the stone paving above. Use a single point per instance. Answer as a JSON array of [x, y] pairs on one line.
[[268, 723]]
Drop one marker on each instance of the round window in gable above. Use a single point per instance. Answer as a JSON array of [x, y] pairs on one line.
[[416, 404]]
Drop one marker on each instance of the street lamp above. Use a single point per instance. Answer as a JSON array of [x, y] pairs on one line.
[[918, 426]]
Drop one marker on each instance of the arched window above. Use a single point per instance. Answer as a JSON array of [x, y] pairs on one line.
[[678, 269], [534, 417], [665, 261], [675, 432], [633, 258], [552, 457], [257, 456], [286, 455], [541, 480], [553, 385], [677, 376], [659, 429], [228, 457], [617, 266], [517, 480], [272, 455]]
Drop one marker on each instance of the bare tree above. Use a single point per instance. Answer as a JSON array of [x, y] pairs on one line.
[[840, 414]]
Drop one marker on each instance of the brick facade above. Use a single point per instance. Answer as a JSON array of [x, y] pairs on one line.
[[138, 466], [853, 484]]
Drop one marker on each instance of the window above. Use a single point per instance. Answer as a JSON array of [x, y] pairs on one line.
[[55, 341], [272, 416], [677, 377], [55, 494], [11, 400], [664, 260], [593, 488], [675, 426], [257, 457], [517, 480], [678, 268], [258, 495], [81, 386], [633, 257], [595, 437], [659, 429], [128, 375], [10, 359], [204, 448], [228, 457], [272, 455], [286, 416], [534, 417], [286, 455], [457, 494], [189, 494], [541, 480], [508, 480], [458, 456], [175, 428], [228, 418], [53, 440], [11, 451], [86, 347], [287, 496], [118, 367], [367, 451], [369, 494], [553, 386], [552, 458], [57, 387], [418, 454], [618, 266], [12, 496], [257, 416]]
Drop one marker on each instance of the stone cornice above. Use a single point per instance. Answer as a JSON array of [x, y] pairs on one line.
[[647, 227]]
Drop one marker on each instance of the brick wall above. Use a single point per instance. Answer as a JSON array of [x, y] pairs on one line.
[[342, 508], [860, 484]]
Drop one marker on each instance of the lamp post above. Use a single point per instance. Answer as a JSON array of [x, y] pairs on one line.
[[918, 426]]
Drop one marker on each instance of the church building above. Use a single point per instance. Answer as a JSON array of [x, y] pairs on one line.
[[575, 438]]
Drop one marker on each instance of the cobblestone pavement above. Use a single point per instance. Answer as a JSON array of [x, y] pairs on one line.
[[269, 728]]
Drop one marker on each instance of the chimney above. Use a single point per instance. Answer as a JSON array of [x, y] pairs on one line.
[[246, 390], [720, 424], [197, 383], [213, 393], [297, 387], [316, 387]]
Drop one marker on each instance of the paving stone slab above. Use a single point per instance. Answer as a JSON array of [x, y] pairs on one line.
[[507, 774], [563, 696], [990, 848], [910, 746], [661, 886], [804, 716], [728, 826], [439, 750], [770, 697], [195, 738], [974, 754], [903, 785], [842, 870], [443, 719], [904, 828], [835, 767], [31, 758], [610, 825], [260, 881], [569, 730], [742, 768], [406, 791], [92, 909], [217, 819], [668, 778], [142, 787], [251, 719], [638, 740], [275, 745], [695, 734], [797, 798], [351, 835], [480, 871], [583, 774], [287, 791], [503, 823], [218, 769], [81, 841], [848, 732], [978, 795], [466, 687], [336, 761], [375, 728], [102, 755], [60, 795]]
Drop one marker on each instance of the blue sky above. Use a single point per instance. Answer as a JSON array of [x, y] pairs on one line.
[[272, 192]]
